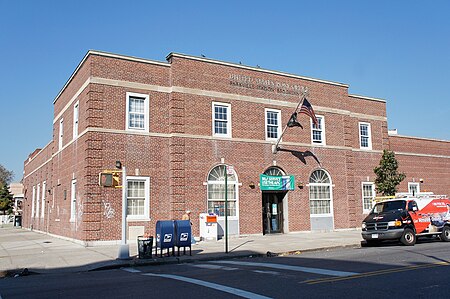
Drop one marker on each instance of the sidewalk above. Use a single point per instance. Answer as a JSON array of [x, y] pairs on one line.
[[41, 253]]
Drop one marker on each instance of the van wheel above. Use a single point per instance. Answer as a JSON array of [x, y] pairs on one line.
[[445, 235], [408, 238]]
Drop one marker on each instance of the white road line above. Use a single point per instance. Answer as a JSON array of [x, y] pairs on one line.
[[131, 270], [292, 268], [213, 267], [267, 272], [219, 287]]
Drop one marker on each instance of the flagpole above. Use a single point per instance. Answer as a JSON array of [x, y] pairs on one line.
[[275, 146]]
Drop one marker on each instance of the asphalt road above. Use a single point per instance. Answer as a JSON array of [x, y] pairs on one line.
[[387, 271]]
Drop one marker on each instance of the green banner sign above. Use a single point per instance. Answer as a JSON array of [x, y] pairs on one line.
[[274, 183]]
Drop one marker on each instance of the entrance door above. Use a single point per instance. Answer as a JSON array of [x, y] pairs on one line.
[[272, 212]]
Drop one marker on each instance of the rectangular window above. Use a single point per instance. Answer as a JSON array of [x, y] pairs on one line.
[[44, 186], [221, 114], [33, 198], [38, 199], [75, 120], [413, 188], [137, 117], [216, 199], [138, 198], [273, 124], [61, 133], [320, 200], [365, 138], [73, 200], [368, 194], [318, 131]]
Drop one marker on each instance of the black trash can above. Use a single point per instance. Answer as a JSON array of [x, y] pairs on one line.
[[145, 247]]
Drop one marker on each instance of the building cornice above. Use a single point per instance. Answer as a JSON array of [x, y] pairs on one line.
[[366, 98], [110, 55], [256, 69], [419, 138]]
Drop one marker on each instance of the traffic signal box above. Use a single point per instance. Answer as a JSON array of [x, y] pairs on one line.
[[109, 178]]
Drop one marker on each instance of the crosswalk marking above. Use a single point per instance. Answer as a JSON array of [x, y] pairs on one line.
[[214, 267], [219, 287], [267, 272], [131, 270], [291, 268]]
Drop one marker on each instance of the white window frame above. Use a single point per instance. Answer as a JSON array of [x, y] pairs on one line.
[[222, 182], [76, 116], [146, 99], [365, 210], [413, 184], [228, 106], [330, 184], [38, 199], [33, 198], [278, 113], [44, 186], [321, 120], [61, 133], [146, 216], [369, 136], [73, 200]]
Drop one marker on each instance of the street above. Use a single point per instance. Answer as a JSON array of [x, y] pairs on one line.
[[390, 270]]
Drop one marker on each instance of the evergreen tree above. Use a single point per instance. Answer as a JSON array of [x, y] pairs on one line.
[[6, 200], [388, 177]]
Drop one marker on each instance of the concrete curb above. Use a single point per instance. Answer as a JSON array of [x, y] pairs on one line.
[[189, 259]]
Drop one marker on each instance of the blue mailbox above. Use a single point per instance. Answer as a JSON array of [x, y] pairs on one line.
[[183, 235], [165, 235]]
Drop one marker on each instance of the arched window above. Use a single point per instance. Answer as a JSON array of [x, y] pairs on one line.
[[320, 193], [275, 171], [216, 192]]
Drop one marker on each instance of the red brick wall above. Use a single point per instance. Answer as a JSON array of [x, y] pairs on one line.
[[179, 151], [425, 159]]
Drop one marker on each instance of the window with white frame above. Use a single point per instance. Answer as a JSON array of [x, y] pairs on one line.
[[368, 194], [38, 199], [138, 197], [221, 114], [273, 124], [44, 186], [365, 138], [73, 200], [413, 188], [33, 199], [61, 133], [320, 192], [216, 192], [318, 131], [75, 119], [137, 117]]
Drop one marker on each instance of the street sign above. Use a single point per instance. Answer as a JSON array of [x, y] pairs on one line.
[[230, 169]]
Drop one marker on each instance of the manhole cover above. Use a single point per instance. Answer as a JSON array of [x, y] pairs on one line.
[[47, 242]]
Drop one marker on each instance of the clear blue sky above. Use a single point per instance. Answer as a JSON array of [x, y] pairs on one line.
[[394, 50]]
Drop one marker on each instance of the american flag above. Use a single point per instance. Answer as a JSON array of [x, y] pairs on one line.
[[308, 110]]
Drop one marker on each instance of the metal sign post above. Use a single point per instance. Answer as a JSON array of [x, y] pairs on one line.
[[228, 170], [124, 249], [226, 209]]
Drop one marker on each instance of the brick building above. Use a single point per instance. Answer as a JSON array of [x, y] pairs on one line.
[[175, 125]]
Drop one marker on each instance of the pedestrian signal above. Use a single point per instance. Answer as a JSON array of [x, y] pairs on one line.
[[105, 179]]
